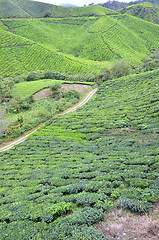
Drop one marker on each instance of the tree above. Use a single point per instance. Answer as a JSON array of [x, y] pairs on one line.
[[47, 14], [55, 89], [151, 61], [5, 91], [121, 68], [3, 122]]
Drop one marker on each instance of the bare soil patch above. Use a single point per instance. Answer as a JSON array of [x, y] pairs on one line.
[[81, 88], [42, 94], [123, 225]]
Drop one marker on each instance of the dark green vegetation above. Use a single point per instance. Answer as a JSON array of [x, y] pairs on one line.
[[146, 11], [61, 180], [35, 9], [73, 45], [115, 5]]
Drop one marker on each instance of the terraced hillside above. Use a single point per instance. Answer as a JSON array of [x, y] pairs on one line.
[[64, 177], [146, 11], [34, 9], [73, 45], [19, 55]]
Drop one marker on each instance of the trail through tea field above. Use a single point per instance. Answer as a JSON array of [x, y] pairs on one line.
[[69, 110]]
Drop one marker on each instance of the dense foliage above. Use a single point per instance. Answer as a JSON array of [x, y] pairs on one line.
[[60, 180], [146, 11], [115, 5]]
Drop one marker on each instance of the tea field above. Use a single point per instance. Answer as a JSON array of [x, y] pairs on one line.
[[19, 55], [63, 179], [74, 45]]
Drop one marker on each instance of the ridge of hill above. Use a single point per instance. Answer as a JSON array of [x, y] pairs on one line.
[[64, 178], [146, 11], [35, 9], [73, 45], [68, 5]]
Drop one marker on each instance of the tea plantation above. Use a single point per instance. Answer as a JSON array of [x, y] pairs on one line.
[[73, 45], [62, 179], [19, 55]]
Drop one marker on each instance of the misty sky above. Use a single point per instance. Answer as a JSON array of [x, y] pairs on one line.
[[77, 2]]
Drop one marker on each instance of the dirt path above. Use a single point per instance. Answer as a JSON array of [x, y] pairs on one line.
[[71, 109]]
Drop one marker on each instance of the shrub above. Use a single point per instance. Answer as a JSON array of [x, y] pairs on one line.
[[87, 216], [60, 105], [134, 205], [86, 233], [88, 199], [71, 94], [33, 76]]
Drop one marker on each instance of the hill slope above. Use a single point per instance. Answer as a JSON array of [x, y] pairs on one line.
[[73, 45], [146, 11], [80, 164], [19, 55], [34, 9]]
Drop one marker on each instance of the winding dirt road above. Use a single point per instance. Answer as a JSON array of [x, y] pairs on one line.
[[71, 109]]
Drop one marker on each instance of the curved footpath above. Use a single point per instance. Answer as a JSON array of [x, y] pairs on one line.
[[71, 109]]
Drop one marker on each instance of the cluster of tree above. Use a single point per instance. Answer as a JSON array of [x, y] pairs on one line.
[[119, 69], [151, 61], [118, 5], [123, 68], [5, 89]]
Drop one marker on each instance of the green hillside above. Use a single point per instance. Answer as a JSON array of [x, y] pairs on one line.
[[19, 55], [73, 45], [10, 8], [63, 178], [34, 9], [146, 11]]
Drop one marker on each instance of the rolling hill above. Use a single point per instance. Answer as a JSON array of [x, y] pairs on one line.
[[73, 45], [34, 9]]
